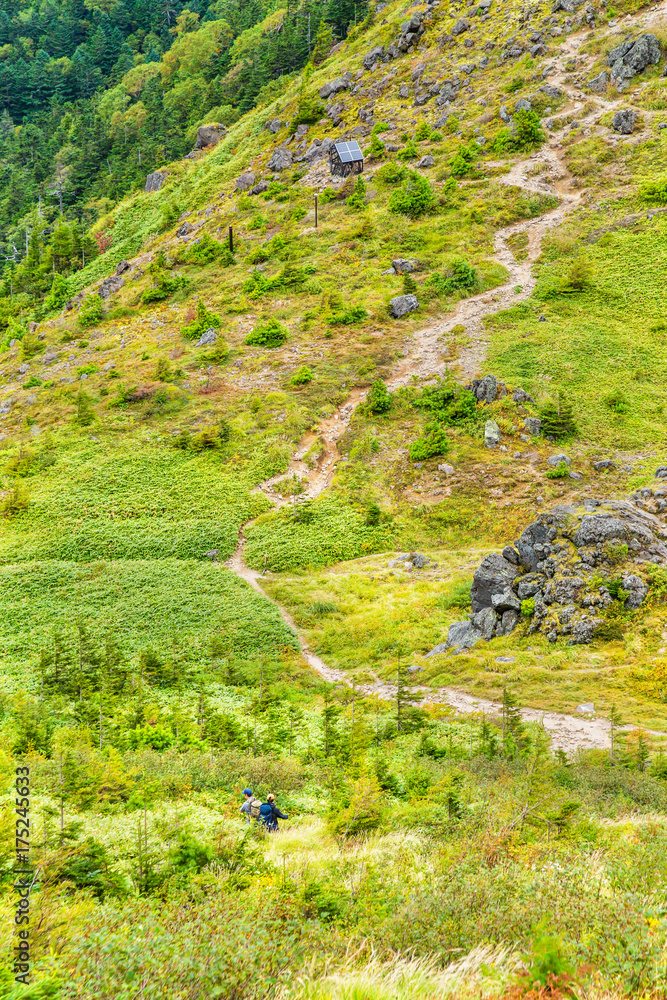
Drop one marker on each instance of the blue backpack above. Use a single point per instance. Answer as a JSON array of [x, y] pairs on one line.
[[265, 813]]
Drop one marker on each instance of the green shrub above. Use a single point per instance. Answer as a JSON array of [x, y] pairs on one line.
[[423, 131], [376, 150], [346, 317], [58, 295], [302, 376], [380, 127], [206, 250], [528, 607], [328, 194], [557, 419], [560, 471], [654, 190], [92, 312], [357, 199], [378, 399], [463, 160], [309, 109], [409, 151], [432, 442], [449, 403], [391, 173], [618, 402], [203, 321], [268, 334], [524, 133], [414, 198], [459, 276]]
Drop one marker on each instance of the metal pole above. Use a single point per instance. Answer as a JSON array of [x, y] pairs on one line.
[[315, 211], [231, 240]]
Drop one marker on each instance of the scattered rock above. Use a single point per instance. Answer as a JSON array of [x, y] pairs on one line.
[[447, 470], [155, 181], [632, 57], [588, 708], [521, 396], [494, 576], [485, 389], [599, 83], [185, 229], [460, 636], [123, 266], [605, 463], [401, 305], [463, 24], [419, 560], [426, 161], [404, 265], [504, 114], [259, 188], [274, 125], [403, 91], [511, 555], [661, 472], [212, 554], [208, 337], [110, 286], [523, 105], [576, 475], [374, 56], [335, 86], [533, 425], [209, 136], [624, 121], [637, 590], [281, 159], [555, 460], [245, 181], [491, 434]]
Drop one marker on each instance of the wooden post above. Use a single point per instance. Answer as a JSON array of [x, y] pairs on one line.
[[231, 240], [315, 211]]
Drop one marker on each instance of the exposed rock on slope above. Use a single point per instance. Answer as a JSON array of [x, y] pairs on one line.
[[557, 567]]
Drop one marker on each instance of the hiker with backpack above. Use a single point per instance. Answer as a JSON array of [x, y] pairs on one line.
[[270, 813], [251, 806]]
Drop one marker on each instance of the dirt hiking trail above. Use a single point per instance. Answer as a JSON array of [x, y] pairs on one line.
[[315, 460]]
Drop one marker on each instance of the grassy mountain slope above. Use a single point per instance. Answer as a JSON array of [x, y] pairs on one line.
[[188, 528]]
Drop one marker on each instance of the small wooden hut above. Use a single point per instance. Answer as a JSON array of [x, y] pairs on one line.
[[346, 158]]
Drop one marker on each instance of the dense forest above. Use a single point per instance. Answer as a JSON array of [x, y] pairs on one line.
[[96, 93]]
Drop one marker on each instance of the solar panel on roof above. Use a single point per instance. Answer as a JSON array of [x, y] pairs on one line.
[[349, 152]]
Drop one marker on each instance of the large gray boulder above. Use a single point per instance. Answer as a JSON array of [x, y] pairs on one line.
[[281, 159], [632, 57], [401, 305], [374, 56], [209, 135], [599, 83], [485, 390], [463, 24], [491, 434], [624, 121], [207, 338], [155, 181], [495, 576], [340, 83], [245, 181], [636, 588], [110, 286], [460, 637]]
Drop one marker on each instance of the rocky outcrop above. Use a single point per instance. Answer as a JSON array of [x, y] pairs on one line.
[[567, 570], [209, 136], [155, 181], [410, 33], [624, 121], [631, 57], [110, 286], [245, 181], [281, 159], [340, 83], [401, 305]]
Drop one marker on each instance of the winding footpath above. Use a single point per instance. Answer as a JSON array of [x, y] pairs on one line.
[[544, 172]]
